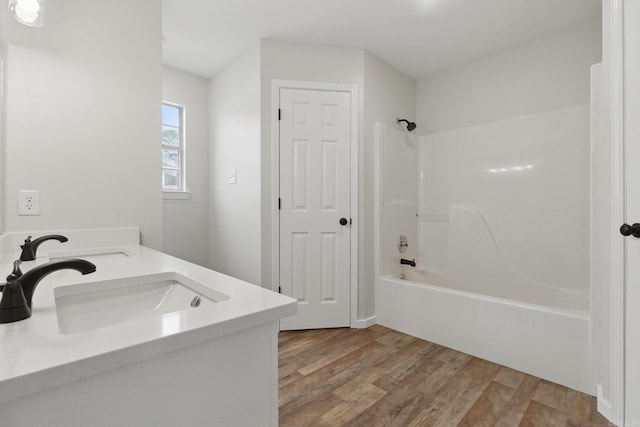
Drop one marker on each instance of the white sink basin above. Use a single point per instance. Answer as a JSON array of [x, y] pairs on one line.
[[94, 305]]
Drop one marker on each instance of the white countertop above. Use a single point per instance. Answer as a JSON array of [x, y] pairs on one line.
[[35, 356]]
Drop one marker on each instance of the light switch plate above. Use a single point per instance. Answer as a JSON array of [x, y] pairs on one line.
[[233, 176]]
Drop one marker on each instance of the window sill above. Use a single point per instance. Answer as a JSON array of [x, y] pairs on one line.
[[176, 195]]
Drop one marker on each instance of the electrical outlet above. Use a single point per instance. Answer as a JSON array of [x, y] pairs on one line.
[[28, 202]]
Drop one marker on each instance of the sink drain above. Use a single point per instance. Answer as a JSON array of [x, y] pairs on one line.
[[195, 301]]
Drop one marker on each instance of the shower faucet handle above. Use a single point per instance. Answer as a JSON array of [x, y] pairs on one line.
[[630, 230], [403, 243]]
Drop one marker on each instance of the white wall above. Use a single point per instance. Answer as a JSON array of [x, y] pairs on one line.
[[240, 112], [235, 144], [82, 113], [186, 221], [546, 74], [241, 232]]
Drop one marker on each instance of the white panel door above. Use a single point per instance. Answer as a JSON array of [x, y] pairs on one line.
[[315, 223], [632, 214]]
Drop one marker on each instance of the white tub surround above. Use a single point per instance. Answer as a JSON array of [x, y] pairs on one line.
[[495, 215], [506, 204], [191, 367]]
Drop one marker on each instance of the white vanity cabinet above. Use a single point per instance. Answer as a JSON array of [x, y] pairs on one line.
[[209, 361]]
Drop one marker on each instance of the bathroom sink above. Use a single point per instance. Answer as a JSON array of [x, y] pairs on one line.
[[95, 305]]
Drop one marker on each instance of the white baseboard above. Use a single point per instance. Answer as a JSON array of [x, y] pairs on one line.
[[604, 406], [364, 323]]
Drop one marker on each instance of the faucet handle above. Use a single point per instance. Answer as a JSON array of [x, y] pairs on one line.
[[16, 269], [15, 274], [13, 305], [28, 254]]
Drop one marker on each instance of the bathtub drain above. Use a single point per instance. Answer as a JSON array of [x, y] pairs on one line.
[[195, 301]]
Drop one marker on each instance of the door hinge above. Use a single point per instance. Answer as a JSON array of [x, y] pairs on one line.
[[279, 203], [279, 114], [279, 290]]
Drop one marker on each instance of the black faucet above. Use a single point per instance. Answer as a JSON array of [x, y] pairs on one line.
[[18, 291], [411, 262], [31, 246]]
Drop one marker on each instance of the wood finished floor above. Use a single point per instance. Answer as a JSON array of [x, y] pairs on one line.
[[381, 377]]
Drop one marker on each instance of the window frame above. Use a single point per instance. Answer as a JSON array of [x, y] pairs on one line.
[[181, 191]]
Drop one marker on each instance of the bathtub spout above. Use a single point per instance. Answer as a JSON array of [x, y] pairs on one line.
[[411, 262]]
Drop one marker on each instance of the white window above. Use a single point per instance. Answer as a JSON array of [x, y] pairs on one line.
[[173, 178]]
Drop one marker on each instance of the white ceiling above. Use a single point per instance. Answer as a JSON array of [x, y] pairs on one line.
[[418, 37]]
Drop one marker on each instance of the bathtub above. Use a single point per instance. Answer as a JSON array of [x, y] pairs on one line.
[[549, 342]]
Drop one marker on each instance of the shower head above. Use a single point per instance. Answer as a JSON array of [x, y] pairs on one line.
[[410, 125]]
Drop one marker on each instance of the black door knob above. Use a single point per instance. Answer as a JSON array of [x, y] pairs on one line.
[[343, 221], [630, 230]]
